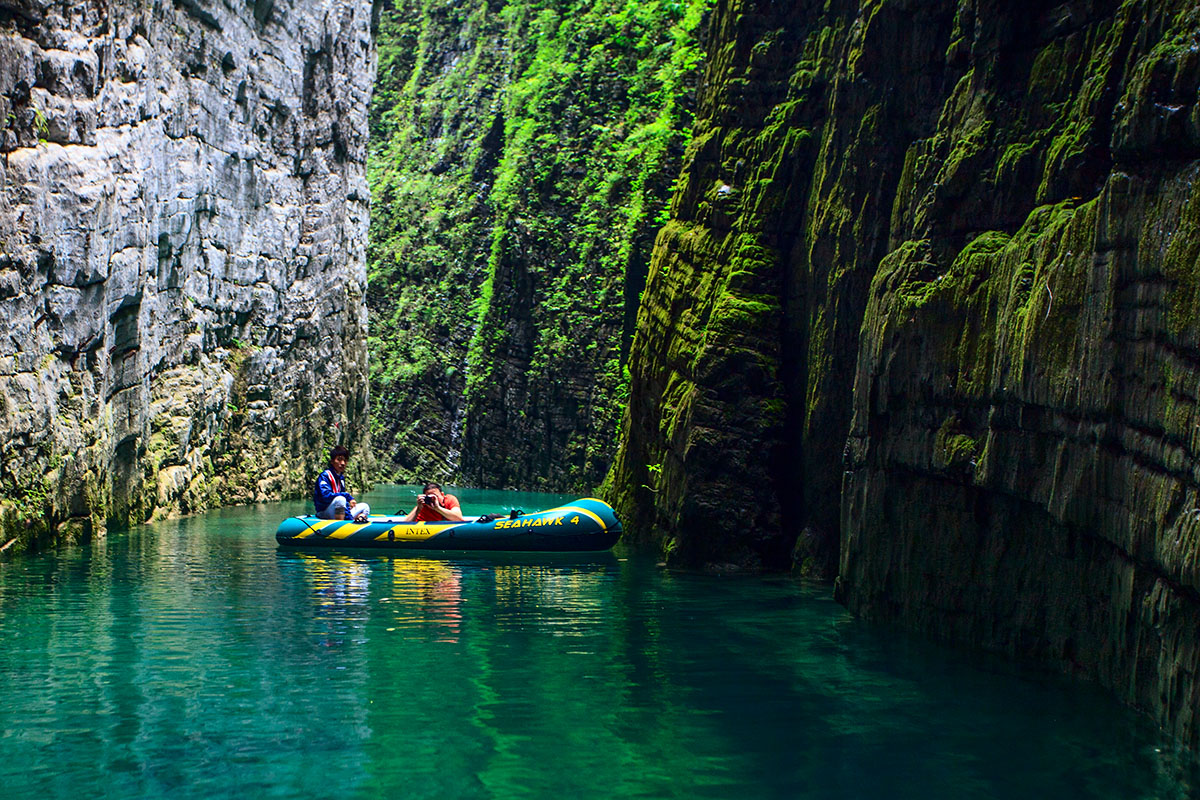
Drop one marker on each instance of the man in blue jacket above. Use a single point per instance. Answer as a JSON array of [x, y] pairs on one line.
[[330, 496]]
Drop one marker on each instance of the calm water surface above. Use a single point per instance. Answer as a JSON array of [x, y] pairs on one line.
[[193, 658]]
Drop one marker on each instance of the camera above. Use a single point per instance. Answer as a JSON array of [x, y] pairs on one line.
[[428, 499]]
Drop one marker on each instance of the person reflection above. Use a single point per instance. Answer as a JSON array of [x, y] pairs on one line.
[[340, 588]]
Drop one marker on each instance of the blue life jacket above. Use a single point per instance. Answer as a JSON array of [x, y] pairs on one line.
[[329, 485]]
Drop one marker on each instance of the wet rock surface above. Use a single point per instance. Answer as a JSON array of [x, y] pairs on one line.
[[1021, 469], [182, 254]]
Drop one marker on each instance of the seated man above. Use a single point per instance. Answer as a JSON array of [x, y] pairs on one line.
[[434, 506], [330, 497]]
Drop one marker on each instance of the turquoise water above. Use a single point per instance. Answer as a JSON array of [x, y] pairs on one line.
[[195, 659]]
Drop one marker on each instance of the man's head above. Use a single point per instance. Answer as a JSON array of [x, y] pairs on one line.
[[338, 457], [433, 488]]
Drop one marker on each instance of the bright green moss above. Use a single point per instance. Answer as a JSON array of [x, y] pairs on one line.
[[953, 449], [1082, 88], [1013, 156], [520, 159], [1181, 265]]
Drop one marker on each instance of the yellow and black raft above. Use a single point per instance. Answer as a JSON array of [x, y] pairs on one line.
[[586, 525]]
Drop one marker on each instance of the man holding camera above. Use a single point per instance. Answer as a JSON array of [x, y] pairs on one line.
[[434, 506]]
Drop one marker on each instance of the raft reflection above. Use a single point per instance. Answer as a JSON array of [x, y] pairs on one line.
[[426, 593], [423, 593]]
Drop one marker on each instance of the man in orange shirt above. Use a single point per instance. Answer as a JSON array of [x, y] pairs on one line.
[[434, 506]]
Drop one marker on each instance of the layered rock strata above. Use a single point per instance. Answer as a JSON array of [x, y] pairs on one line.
[[928, 300], [733, 413], [182, 254]]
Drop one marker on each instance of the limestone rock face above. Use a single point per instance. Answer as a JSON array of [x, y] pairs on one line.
[[1022, 468], [928, 300], [183, 226], [729, 423]]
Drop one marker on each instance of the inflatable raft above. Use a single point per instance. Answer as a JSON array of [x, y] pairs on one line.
[[585, 525]]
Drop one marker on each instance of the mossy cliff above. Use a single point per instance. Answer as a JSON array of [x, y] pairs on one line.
[[183, 219], [739, 406], [522, 158], [928, 299]]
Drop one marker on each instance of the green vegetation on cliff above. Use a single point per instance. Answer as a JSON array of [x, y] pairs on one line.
[[522, 159]]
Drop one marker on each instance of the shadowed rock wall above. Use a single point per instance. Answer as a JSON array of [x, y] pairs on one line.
[[182, 245], [1022, 465], [928, 300], [734, 413]]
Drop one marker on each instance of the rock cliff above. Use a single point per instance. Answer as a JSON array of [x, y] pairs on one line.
[[928, 300], [183, 227], [522, 155]]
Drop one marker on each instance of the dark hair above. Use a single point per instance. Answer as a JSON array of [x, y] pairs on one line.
[[338, 451], [431, 485]]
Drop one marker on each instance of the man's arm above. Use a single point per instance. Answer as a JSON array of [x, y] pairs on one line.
[[410, 516], [452, 513]]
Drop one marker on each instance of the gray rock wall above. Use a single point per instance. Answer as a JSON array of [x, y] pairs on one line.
[[183, 225]]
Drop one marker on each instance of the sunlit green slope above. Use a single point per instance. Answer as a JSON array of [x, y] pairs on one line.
[[522, 159]]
